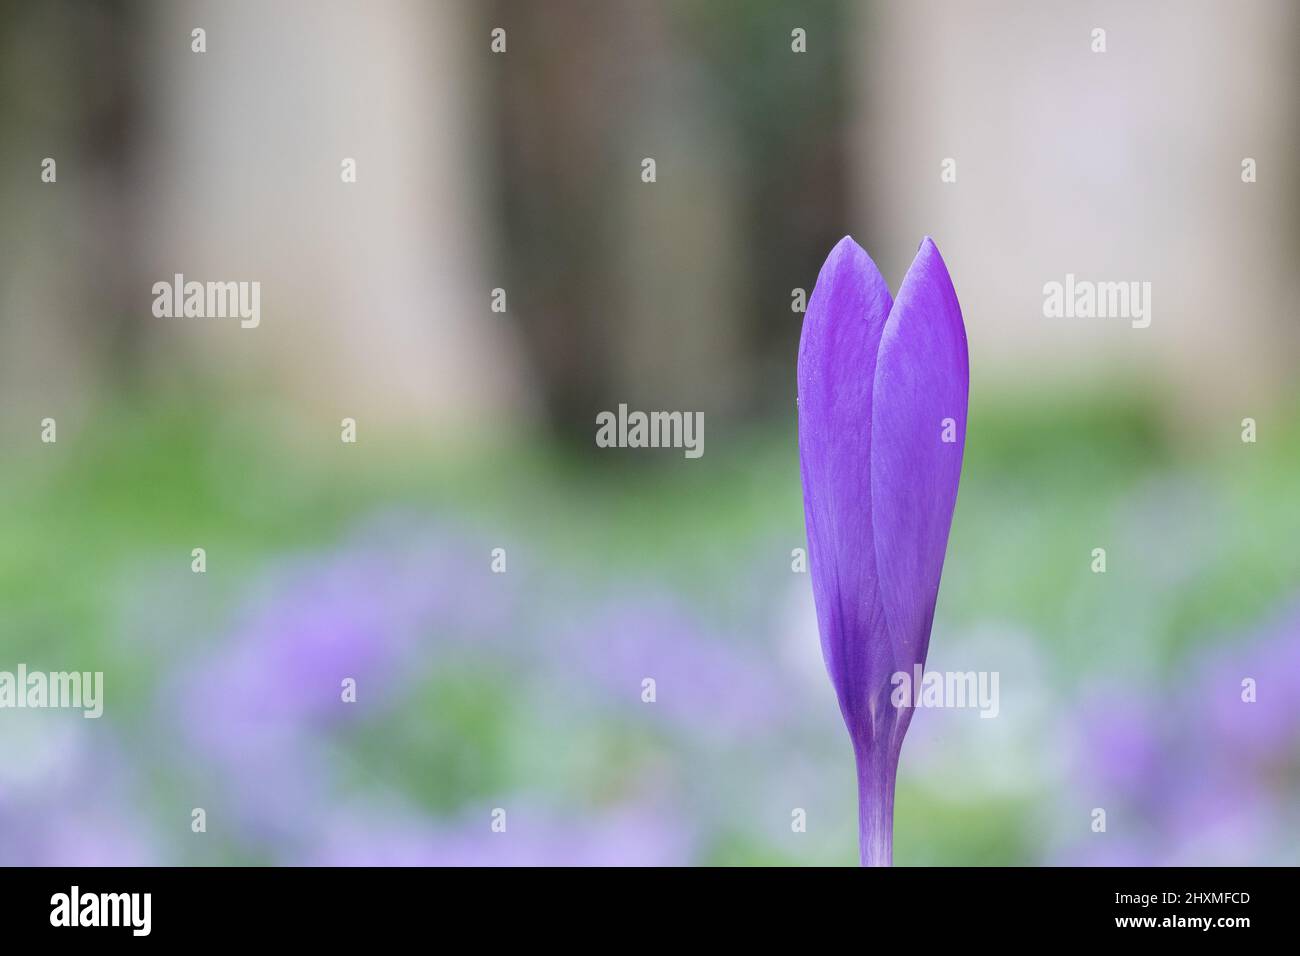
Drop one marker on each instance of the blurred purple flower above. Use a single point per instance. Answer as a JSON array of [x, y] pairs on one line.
[[391, 608], [702, 680], [1192, 772], [1260, 730], [382, 610], [74, 804], [627, 836], [882, 425], [1124, 750], [362, 612]]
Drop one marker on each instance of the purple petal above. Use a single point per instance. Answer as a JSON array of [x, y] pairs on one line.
[[922, 380], [837, 366]]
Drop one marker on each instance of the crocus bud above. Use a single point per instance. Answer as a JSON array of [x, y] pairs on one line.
[[883, 386]]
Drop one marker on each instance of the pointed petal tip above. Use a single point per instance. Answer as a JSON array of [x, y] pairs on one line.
[[928, 265], [848, 263], [928, 249], [849, 247]]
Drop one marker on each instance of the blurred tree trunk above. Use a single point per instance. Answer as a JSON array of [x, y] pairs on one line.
[[675, 294], [69, 274]]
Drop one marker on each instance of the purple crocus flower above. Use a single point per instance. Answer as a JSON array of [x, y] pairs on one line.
[[882, 426]]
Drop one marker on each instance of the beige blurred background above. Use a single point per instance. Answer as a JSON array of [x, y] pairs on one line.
[[1122, 165], [521, 171]]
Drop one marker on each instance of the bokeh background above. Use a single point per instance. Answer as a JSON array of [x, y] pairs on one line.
[[522, 171]]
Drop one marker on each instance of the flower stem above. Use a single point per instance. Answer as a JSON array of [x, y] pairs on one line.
[[876, 776]]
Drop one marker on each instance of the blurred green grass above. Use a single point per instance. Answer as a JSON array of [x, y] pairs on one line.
[[1043, 483]]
